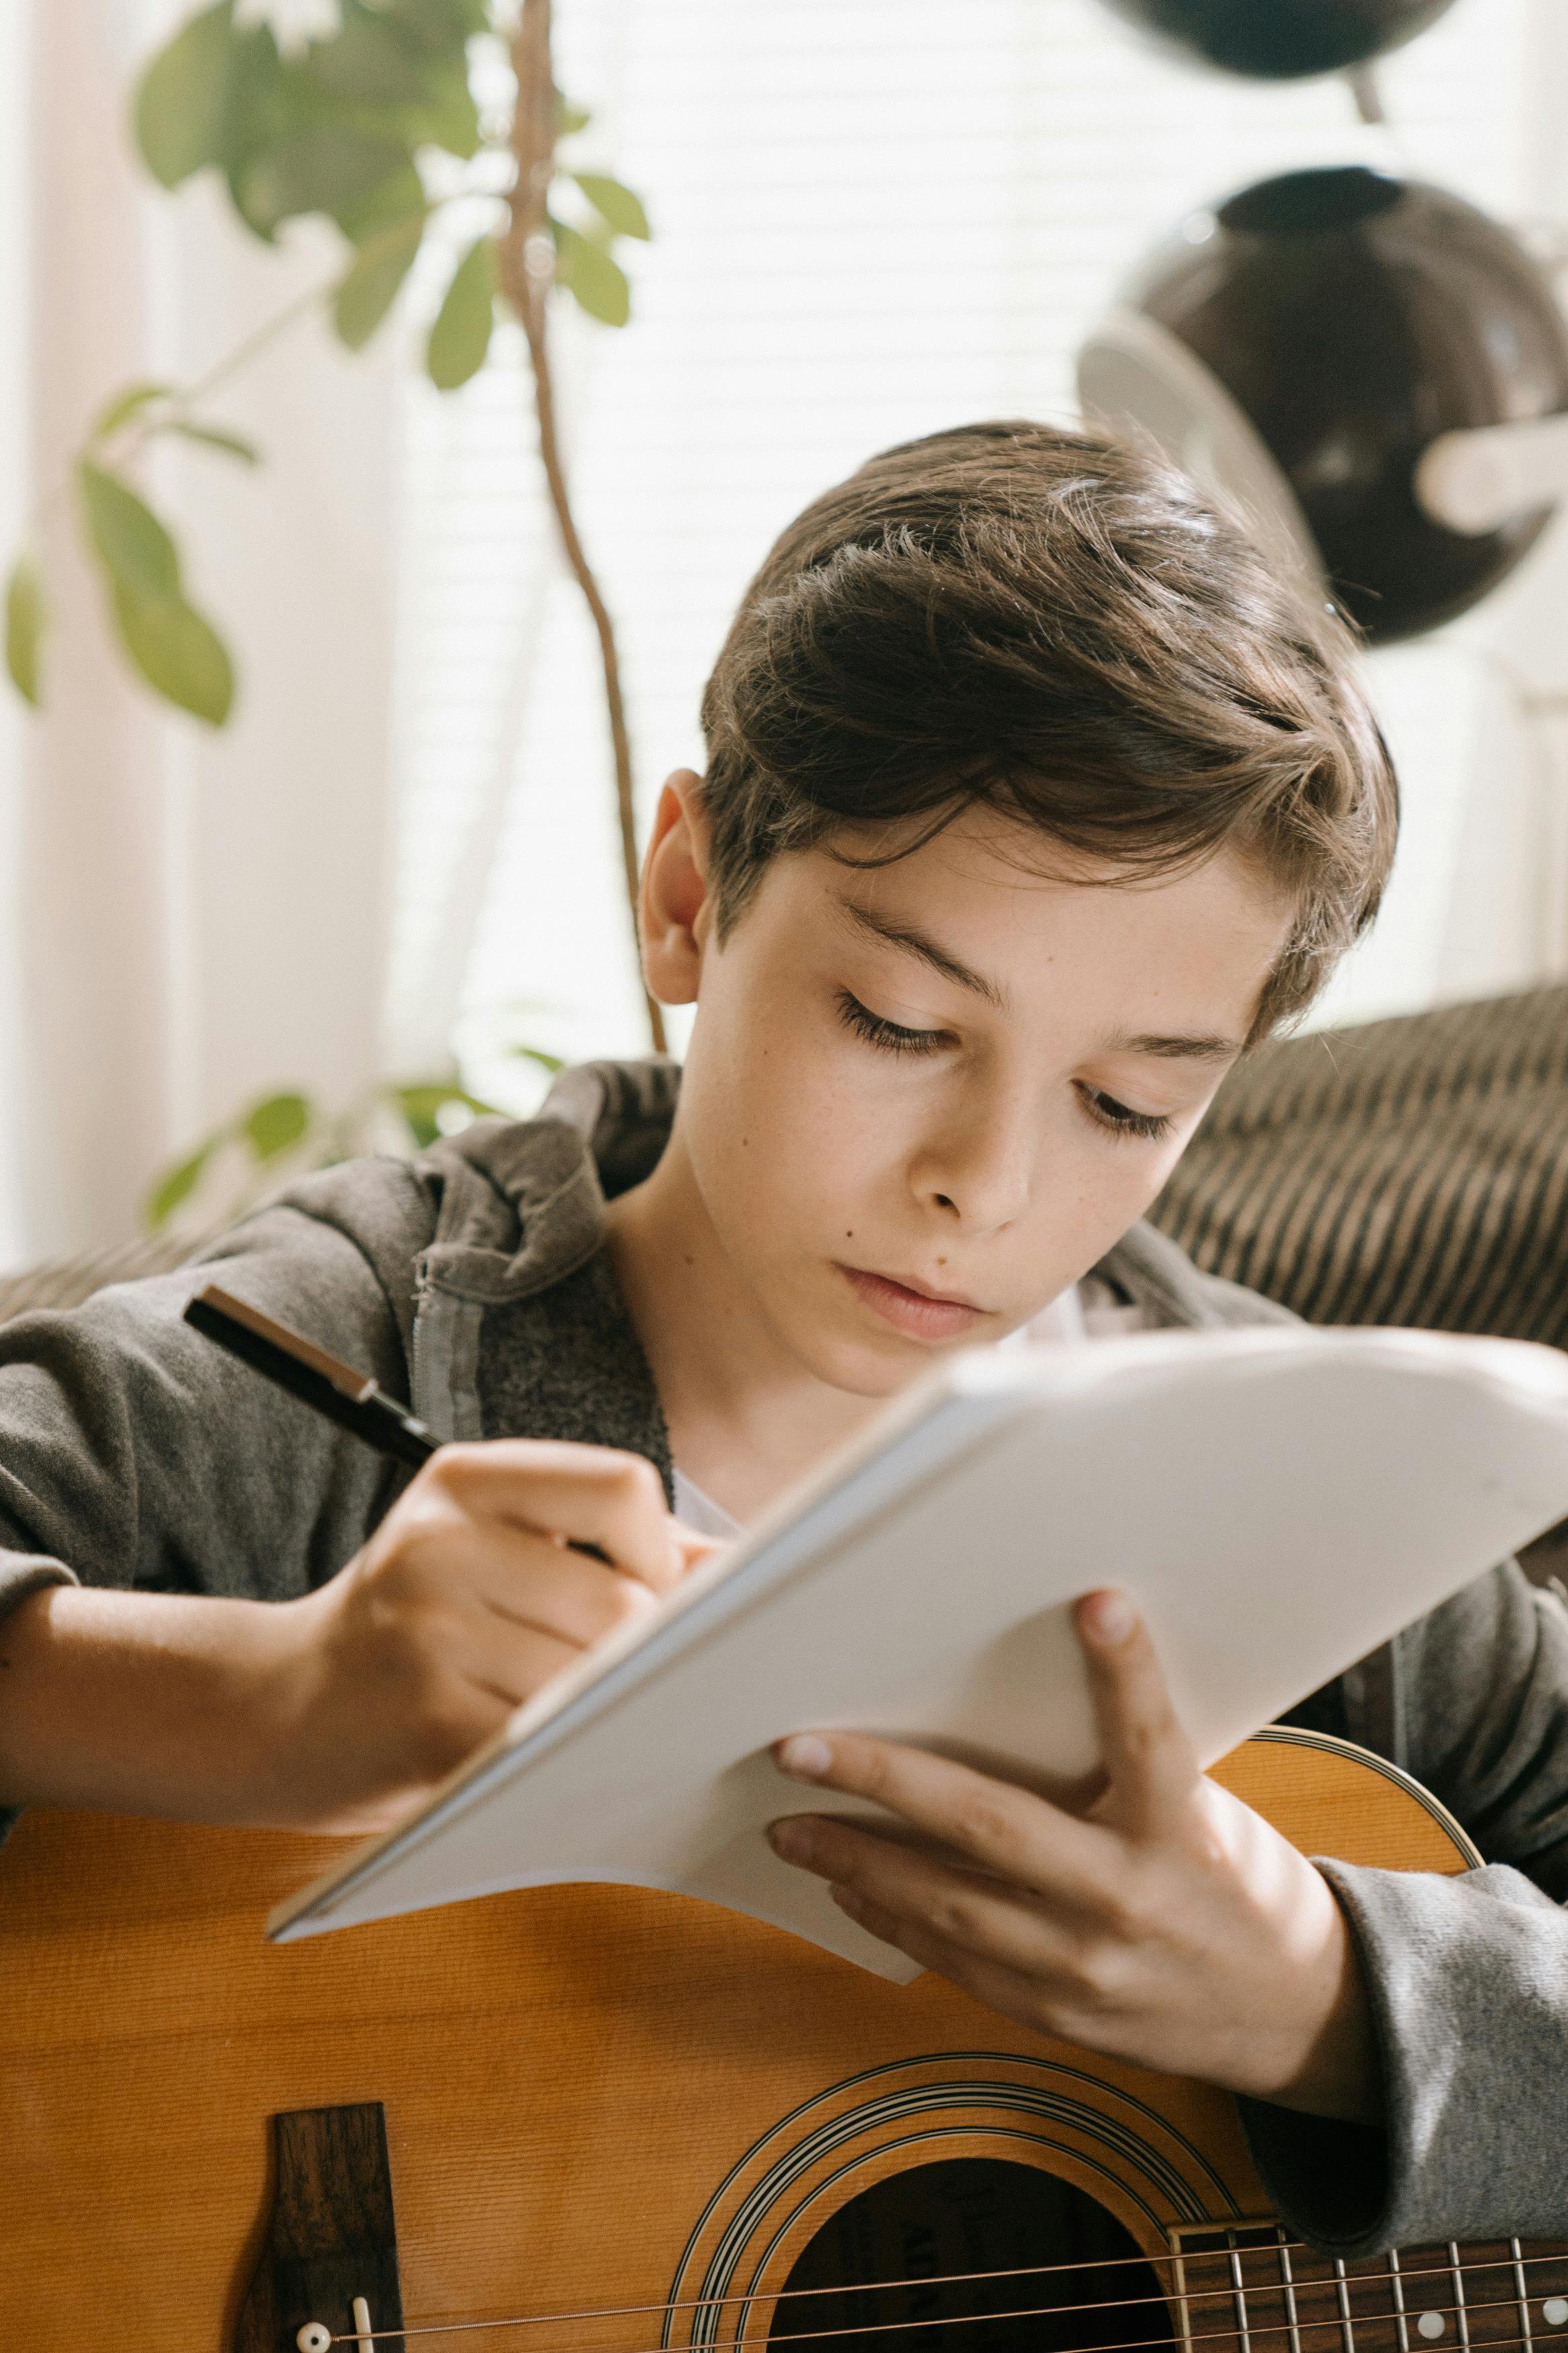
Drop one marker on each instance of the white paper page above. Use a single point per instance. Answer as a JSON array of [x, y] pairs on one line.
[[1276, 1502]]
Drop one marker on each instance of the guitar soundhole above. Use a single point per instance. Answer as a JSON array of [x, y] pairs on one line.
[[966, 2215]]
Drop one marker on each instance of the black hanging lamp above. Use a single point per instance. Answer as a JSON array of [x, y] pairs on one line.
[[1374, 369], [1282, 40]]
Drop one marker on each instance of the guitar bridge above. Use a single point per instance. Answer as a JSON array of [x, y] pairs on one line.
[[328, 2267]]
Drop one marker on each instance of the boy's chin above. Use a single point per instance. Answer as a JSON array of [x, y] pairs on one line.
[[866, 1365]]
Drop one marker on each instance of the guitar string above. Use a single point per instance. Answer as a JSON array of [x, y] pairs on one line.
[[1021, 2271], [860, 2287], [1238, 2333], [1338, 2322], [1014, 2271]]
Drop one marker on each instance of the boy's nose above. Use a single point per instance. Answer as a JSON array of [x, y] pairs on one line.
[[979, 1175]]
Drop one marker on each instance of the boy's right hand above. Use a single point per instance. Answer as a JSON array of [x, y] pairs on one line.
[[471, 1594], [338, 1711]]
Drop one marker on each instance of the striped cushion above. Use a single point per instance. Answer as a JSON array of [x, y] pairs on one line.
[[1413, 1171], [67, 1281]]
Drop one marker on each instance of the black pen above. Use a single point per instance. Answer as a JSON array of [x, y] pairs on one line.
[[309, 1373], [325, 1382]]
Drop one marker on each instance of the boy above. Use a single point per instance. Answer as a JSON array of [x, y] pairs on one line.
[[1031, 800]]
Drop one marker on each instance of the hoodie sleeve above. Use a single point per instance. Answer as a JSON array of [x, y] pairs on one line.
[[134, 1453], [23, 1573], [1467, 1978]]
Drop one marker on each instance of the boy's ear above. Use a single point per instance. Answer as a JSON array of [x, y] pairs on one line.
[[675, 912]]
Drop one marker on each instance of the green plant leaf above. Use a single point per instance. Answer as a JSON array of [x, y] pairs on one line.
[[421, 1104], [551, 1062], [125, 406], [369, 65], [586, 271], [327, 169], [461, 338], [130, 542], [214, 437], [217, 95], [448, 116], [394, 201], [179, 653], [569, 118], [440, 24], [265, 104], [418, 1106], [26, 623], [617, 204], [277, 1124], [443, 22], [173, 1185], [368, 289], [182, 99]]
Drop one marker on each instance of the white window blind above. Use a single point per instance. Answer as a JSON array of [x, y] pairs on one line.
[[871, 220]]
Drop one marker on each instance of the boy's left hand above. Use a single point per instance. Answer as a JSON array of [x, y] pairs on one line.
[[1169, 1925]]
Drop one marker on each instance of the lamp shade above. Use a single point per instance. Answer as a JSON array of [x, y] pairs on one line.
[[1304, 345], [1282, 40]]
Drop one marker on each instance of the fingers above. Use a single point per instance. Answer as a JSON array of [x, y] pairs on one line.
[[476, 1590], [1054, 1973], [510, 1670], [578, 1494], [1148, 1760], [1009, 1832], [499, 1575], [1016, 1993], [694, 1550], [922, 1894], [464, 1642], [528, 1580]]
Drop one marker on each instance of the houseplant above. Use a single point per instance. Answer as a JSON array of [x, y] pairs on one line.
[[353, 111]]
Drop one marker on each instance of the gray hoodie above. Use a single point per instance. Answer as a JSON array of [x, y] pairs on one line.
[[474, 1282]]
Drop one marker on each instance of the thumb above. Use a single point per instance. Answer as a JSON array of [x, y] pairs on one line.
[[1151, 1769]]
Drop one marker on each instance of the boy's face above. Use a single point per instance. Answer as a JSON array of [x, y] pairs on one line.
[[921, 1099]]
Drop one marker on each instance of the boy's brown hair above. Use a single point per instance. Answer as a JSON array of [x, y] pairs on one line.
[[1065, 628]]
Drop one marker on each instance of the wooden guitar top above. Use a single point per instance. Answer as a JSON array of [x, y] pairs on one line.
[[593, 2095]]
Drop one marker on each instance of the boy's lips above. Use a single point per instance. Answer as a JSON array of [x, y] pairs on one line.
[[910, 1308]]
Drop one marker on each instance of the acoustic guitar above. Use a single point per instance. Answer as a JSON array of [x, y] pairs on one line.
[[601, 2120]]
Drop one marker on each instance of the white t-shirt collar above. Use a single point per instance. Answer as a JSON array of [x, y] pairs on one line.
[[1063, 1322]]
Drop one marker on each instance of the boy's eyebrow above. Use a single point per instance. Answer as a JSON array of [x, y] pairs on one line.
[[920, 943], [1173, 1048], [1177, 1049]]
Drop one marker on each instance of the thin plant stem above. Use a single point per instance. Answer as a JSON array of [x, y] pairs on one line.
[[527, 270], [183, 399], [258, 340], [136, 433]]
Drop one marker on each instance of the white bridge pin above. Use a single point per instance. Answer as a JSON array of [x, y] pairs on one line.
[[1555, 2311], [1431, 2324], [313, 2338]]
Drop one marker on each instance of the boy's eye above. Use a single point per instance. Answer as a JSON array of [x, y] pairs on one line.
[[1120, 1118], [891, 1036]]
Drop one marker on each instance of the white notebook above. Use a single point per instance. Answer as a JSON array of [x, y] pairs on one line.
[[1276, 1502]]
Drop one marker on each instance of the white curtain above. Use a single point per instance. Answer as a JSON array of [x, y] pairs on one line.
[[192, 917], [14, 503]]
